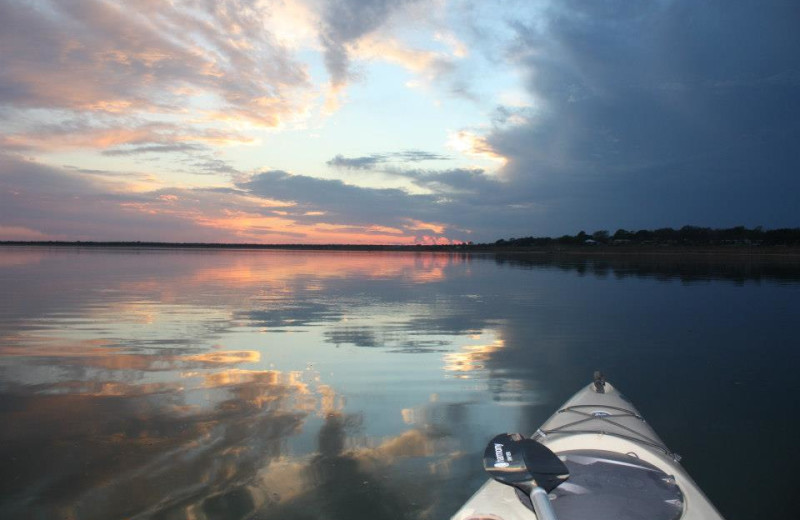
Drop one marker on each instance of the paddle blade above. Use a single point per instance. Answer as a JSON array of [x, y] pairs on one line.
[[504, 459], [546, 468], [523, 463]]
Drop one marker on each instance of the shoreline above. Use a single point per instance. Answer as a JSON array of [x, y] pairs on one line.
[[627, 250]]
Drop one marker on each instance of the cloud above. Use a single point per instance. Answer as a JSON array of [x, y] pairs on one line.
[[67, 204], [656, 114], [129, 79], [21, 233], [363, 30], [344, 22], [140, 77], [154, 148], [117, 135], [356, 163], [628, 115], [107, 56], [431, 65], [211, 166], [371, 161], [472, 186], [419, 155], [333, 201], [44, 202], [440, 214], [461, 204], [357, 31]]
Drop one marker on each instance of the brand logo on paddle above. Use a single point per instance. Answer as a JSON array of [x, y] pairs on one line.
[[498, 453]]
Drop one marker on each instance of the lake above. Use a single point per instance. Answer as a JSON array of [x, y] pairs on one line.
[[216, 384]]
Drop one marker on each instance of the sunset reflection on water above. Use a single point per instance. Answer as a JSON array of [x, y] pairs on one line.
[[208, 385], [199, 384]]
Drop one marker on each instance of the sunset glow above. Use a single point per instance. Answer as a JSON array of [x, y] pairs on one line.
[[365, 122]]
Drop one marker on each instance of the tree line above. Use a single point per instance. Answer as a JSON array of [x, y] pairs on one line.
[[687, 235]]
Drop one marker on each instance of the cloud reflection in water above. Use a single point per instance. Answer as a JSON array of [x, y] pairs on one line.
[[172, 385], [235, 384]]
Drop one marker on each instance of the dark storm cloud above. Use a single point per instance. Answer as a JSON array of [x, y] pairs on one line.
[[658, 113]]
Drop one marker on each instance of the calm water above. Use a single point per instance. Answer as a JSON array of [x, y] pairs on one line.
[[305, 385]]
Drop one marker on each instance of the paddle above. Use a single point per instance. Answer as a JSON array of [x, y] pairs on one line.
[[527, 465]]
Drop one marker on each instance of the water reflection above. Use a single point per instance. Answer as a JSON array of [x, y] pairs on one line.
[[688, 266], [353, 483], [472, 358], [199, 385], [169, 385], [78, 451]]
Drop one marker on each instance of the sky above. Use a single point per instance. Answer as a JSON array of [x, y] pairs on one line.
[[394, 121]]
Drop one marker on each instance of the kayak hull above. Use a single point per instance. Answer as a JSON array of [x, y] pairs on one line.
[[600, 425]]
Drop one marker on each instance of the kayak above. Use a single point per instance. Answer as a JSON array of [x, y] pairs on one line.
[[618, 468]]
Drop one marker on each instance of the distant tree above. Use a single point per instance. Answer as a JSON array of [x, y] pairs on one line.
[[689, 235], [736, 234], [644, 236], [600, 236], [782, 237], [665, 235], [695, 235], [621, 234]]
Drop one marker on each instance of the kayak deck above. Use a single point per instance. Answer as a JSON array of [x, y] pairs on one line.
[[619, 468], [601, 484]]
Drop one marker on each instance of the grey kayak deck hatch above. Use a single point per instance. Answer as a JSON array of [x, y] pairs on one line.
[[604, 485]]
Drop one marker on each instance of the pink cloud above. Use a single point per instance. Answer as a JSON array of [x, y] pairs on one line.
[[116, 137], [113, 73], [22, 233]]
